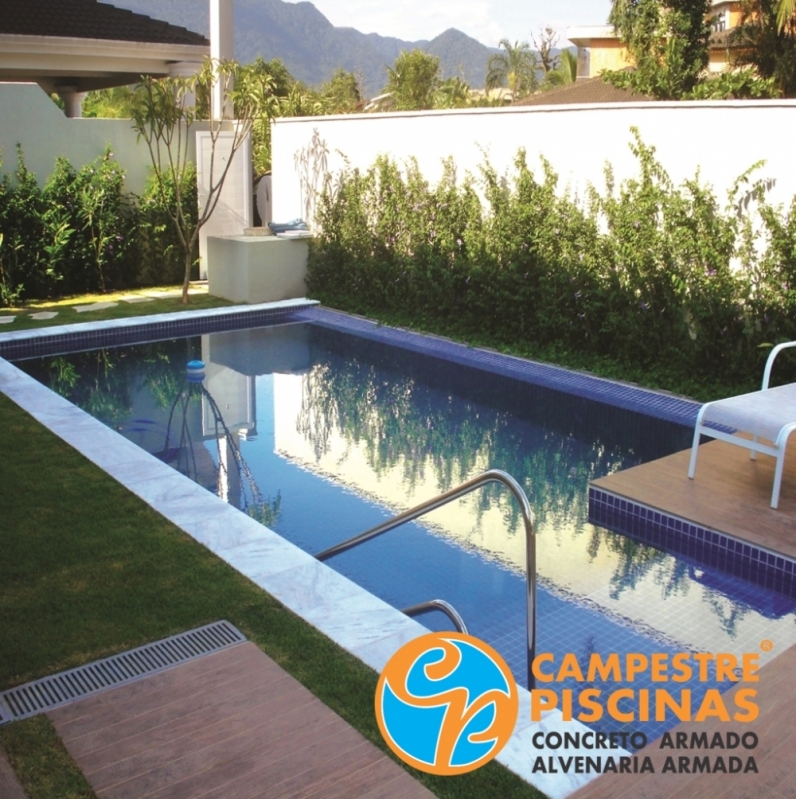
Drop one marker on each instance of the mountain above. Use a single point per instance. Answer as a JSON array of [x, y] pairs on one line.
[[312, 48]]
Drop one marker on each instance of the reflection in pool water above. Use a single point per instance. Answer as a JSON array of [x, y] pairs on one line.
[[325, 434]]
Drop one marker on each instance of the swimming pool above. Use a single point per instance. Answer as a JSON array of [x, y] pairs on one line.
[[339, 431]]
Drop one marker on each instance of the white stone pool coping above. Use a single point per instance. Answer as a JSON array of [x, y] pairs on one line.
[[355, 619]]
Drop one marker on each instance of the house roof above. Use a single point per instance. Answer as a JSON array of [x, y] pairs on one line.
[[588, 90], [89, 19]]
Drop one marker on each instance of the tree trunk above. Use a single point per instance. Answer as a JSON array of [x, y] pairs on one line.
[[187, 279]]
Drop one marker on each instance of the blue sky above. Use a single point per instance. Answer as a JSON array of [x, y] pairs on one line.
[[485, 20]]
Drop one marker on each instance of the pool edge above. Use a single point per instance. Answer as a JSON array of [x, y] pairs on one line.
[[304, 585]]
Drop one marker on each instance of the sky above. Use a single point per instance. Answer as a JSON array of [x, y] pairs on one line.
[[488, 21]]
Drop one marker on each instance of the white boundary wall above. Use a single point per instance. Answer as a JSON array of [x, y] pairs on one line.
[[30, 118], [721, 139]]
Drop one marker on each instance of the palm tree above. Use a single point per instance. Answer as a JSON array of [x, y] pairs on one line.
[[516, 67], [566, 71], [785, 10], [452, 93]]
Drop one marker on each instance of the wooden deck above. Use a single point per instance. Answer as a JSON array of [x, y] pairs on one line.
[[231, 725], [776, 777], [9, 784], [730, 494]]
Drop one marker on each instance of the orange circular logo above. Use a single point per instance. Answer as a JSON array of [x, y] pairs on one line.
[[446, 703]]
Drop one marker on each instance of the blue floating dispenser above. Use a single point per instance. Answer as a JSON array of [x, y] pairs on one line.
[[195, 371]]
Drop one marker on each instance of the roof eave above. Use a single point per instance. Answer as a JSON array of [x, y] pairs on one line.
[[113, 48]]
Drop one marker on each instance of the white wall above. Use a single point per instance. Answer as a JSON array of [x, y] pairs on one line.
[[29, 117], [722, 139]]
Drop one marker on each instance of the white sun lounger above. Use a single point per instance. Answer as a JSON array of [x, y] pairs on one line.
[[769, 414]]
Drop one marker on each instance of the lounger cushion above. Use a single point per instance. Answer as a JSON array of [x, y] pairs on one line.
[[761, 413]]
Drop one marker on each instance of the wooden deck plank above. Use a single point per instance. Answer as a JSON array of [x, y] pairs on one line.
[[319, 776], [109, 707], [263, 734], [730, 493], [400, 787], [207, 746], [9, 784], [247, 770], [174, 738], [216, 704], [774, 755]]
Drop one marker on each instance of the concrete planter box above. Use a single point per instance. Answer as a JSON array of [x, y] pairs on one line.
[[253, 269]]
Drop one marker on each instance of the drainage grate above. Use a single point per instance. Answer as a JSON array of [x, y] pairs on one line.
[[42, 695]]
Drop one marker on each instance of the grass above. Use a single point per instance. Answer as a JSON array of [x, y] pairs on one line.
[[662, 375], [42, 763], [88, 569], [199, 298]]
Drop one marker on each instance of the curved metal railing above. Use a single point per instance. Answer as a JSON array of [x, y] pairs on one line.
[[441, 605], [491, 476]]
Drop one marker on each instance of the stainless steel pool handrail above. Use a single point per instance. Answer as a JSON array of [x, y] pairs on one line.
[[491, 476], [441, 605]]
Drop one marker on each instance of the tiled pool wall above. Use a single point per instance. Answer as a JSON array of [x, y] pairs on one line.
[[639, 521], [674, 534], [671, 533], [356, 620], [657, 404], [285, 575], [136, 330]]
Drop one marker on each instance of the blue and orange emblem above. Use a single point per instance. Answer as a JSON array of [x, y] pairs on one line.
[[446, 703]]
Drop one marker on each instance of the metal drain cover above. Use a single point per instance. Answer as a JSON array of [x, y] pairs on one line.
[[42, 695]]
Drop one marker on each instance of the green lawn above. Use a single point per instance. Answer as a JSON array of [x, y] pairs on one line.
[[66, 313], [88, 569]]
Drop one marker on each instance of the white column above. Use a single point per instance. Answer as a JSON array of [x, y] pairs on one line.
[[185, 69], [221, 49]]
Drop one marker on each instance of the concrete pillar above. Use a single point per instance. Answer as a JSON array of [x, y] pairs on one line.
[[73, 101], [185, 69], [221, 49]]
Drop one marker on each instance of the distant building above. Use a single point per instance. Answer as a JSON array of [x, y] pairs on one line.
[[70, 47], [599, 47]]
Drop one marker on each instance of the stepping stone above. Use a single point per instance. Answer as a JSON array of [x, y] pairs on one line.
[[97, 306], [7, 320], [136, 299], [44, 315]]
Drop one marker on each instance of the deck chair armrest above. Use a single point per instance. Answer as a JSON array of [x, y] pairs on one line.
[[770, 362]]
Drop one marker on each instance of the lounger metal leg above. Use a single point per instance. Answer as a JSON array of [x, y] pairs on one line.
[[782, 443], [694, 451], [695, 446], [777, 480], [752, 452]]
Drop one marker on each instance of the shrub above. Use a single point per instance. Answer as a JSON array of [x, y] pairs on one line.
[[644, 273], [81, 232]]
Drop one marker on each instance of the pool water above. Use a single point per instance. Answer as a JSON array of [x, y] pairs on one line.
[[321, 435]]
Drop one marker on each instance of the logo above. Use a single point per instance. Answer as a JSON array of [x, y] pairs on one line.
[[446, 703]]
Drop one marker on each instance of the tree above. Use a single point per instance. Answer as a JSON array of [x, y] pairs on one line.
[[341, 94], [452, 93], [667, 41], [516, 67], [548, 39], [565, 72], [785, 11], [163, 113], [763, 42], [115, 103], [412, 80]]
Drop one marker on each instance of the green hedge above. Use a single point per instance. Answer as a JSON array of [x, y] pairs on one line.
[[81, 232], [643, 273]]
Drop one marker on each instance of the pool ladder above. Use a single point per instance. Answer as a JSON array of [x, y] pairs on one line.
[[491, 476]]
